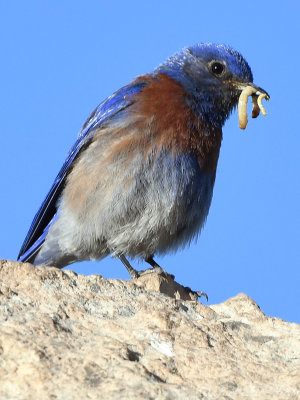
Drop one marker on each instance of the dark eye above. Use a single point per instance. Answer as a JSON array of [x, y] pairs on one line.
[[217, 68]]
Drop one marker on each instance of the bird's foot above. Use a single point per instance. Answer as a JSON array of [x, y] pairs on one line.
[[155, 268], [132, 272], [195, 295], [184, 293]]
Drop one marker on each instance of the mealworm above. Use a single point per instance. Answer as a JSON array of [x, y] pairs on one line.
[[259, 102], [257, 105], [242, 105]]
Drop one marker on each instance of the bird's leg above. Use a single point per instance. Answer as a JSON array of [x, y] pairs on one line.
[[156, 267], [132, 272], [136, 274], [152, 262]]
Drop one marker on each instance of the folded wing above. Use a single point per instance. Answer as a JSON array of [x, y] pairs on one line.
[[102, 116]]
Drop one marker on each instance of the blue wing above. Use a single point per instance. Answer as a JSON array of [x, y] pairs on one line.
[[100, 117]]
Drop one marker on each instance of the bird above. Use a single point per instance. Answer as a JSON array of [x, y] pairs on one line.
[[138, 182]]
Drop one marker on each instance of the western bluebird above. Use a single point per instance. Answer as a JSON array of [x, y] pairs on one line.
[[139, 179]]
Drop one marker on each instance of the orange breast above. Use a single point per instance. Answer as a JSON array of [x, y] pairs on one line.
[[174, 124]]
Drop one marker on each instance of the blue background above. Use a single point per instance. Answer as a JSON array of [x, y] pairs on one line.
[[59, 59]]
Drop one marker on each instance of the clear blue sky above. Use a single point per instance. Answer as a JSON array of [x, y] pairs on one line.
[[59, 59]]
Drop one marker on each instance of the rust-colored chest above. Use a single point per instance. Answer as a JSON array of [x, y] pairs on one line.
[[174, 124]]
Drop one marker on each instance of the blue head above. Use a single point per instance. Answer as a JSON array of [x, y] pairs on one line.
[[213, 76]]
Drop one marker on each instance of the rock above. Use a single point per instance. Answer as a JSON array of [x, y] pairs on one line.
[[68, 336]]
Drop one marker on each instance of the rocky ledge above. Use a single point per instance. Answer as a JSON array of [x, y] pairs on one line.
[[68, 336]]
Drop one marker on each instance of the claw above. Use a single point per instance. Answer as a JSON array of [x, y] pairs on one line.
[[195, 295]]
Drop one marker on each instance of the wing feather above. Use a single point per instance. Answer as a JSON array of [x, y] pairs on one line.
[[102, 116]]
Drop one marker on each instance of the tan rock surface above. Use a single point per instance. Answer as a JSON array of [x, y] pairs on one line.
[[67, 336]]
